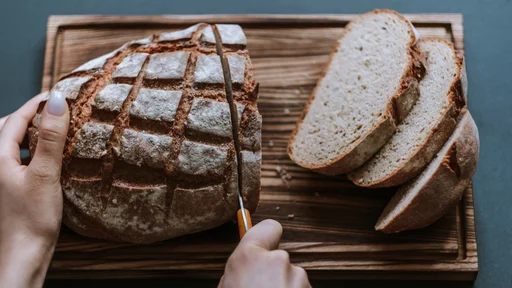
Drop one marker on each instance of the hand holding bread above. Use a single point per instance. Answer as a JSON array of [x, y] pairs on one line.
[[31, 196]]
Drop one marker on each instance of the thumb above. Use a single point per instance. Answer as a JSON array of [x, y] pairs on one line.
[[265, 234], [47, 160], [221, 282]]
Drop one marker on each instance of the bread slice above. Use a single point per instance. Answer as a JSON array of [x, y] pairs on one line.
[[430, 122], [370, 84], [439, 187]]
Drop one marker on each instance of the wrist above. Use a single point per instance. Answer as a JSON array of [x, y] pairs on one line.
[[24, 261], [20, 244]]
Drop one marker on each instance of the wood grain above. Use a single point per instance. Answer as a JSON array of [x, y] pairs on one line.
[[328, 221]]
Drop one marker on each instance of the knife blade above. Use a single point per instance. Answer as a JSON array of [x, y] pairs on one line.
[[243, 215]]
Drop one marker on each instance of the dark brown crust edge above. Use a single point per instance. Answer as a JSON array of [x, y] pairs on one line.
[[438, 135], [368, 143]]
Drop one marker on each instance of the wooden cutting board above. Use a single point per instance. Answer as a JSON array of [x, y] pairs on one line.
[[328, 222]]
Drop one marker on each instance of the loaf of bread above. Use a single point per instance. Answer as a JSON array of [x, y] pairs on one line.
[[368, 87], [429, 124], [150, 154], [439, 187]]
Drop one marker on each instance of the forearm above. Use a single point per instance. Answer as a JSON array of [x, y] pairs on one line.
[[24, 262]]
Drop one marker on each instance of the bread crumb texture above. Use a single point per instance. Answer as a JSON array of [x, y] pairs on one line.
[[436, 98], [353, 97]]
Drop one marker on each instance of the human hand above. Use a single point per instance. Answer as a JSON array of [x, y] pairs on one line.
[[31, 196], [257, 262]]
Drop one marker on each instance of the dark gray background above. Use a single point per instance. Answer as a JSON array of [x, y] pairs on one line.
[[488, 45]]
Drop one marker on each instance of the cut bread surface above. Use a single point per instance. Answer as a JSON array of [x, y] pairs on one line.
[[430, 122], [354, 109], [439, 187]]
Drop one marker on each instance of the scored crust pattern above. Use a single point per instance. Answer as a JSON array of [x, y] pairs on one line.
[[149, 154]]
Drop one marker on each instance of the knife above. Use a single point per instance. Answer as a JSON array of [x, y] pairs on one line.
[[243, 215]]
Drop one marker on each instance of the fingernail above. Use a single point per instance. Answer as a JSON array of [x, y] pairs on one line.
[[57, 103]]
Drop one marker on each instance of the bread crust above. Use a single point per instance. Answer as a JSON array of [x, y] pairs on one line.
[[144, 161], [437, 137], [409, 92], [362, 151], [429, 197], [369, 143]]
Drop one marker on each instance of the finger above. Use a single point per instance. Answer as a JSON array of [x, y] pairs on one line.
[[299, 278], [34, 101], [265, 234], [15, 126], [47, 160], [2, 121]]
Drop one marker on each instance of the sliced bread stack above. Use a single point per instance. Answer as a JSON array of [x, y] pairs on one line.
[[383, 128], [370, 85], [438, 113], [431, 121]]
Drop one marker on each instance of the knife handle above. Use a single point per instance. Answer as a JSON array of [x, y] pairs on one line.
[[240, 219]]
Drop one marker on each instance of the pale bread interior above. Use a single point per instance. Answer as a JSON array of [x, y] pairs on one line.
[[412, 132], [353, 97]]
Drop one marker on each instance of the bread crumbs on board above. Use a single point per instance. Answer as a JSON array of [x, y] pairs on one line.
[[285, 177]]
